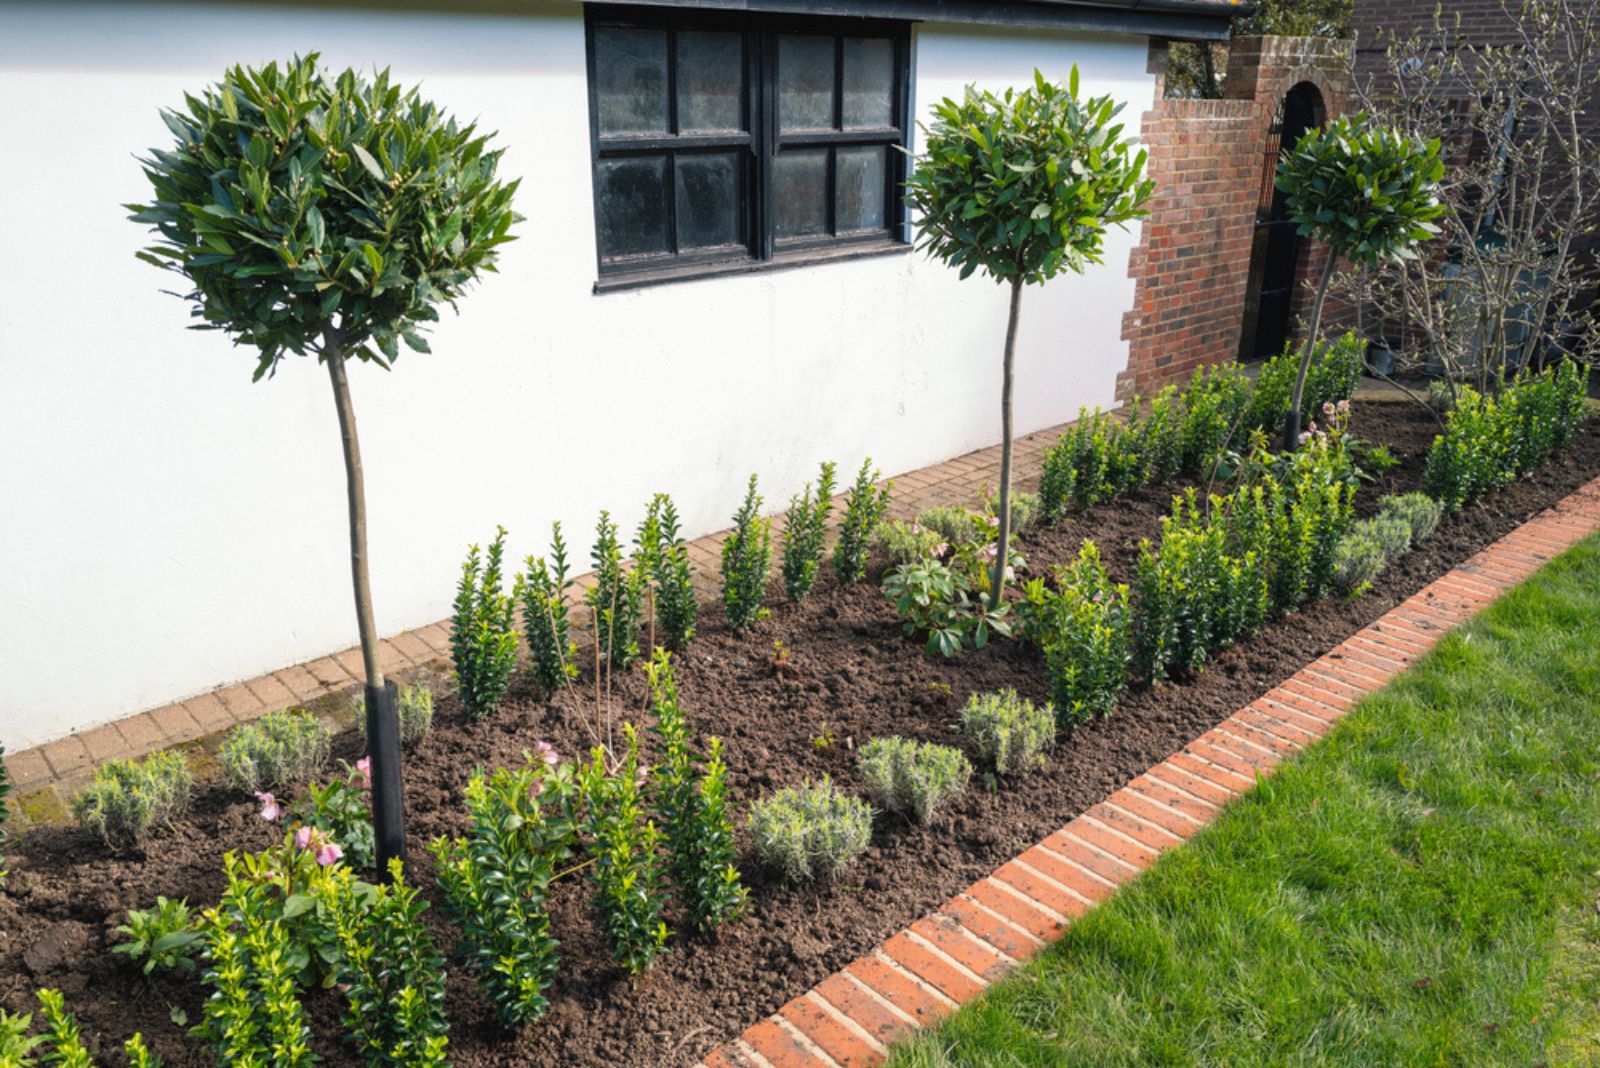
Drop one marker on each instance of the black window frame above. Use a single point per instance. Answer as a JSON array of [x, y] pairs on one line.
[[763, 248]]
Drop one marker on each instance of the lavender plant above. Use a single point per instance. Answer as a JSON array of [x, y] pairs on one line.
[[1025, 507], [810, 831], [864, 507], [414, 710], [483, 637], [628, 873], [664, 556], [496, 881], [541, 590], [276, 750], [1009, 731], [617, 597], [165, 937], [913, 778], [957, 526], [391, 974], [126, 798], [907, 543], [746, 557], [1420, 512], [804, 533], [693, 808]]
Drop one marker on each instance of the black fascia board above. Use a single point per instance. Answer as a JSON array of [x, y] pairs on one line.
[[1147, 18]]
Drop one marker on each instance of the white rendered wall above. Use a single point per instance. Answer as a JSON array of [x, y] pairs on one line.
[[170, 527]]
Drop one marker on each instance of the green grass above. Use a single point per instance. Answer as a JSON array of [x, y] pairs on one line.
[[1417, 889]]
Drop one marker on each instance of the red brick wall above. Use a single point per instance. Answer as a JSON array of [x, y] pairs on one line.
[[1210, 160]]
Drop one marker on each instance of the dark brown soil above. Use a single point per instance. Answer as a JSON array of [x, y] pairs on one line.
[[852, 675]]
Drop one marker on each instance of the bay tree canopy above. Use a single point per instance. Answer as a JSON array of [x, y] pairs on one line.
[[298, 203]]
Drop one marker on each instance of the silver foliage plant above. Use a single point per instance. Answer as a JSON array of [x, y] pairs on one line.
[[810, 831], [913, 778]]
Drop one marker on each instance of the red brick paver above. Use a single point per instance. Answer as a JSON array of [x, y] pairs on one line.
[[980, 934]]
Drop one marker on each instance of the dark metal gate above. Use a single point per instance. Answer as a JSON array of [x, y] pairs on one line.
[[1277, 242]]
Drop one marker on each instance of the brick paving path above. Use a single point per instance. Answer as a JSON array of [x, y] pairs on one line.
[[60, 767], [951, 955]]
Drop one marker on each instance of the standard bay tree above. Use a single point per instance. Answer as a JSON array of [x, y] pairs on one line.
[[327, 215], [1022, 186]]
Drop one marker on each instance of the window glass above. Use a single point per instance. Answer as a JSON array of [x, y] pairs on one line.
[[868, 82], [710, 81], [630, 67], [800, 178], [862, 174], [708, 200], [633, 206], [805, 82]]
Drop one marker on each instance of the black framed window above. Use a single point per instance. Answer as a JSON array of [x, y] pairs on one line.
[[725, 141]]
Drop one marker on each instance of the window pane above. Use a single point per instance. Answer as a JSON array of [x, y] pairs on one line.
[[800, 184], [708, 200], [630, 69], [861, 187], [710, 82], [868, 82], [633, 206], [805, 82]]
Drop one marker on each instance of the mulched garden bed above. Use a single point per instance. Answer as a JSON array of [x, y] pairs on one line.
[[851, 675]]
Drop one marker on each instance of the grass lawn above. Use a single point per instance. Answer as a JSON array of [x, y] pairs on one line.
[[1417, 889]]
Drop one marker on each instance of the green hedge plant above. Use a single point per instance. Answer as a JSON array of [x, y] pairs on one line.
[[864, 507], [616, 600], [664, 558], [483, 635], [805, 532], [542, 592], [746, 559]]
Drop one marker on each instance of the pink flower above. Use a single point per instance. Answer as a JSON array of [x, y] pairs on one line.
[[994, 521], [1011, 573], [639, 780], [329, 854], [547, 753], [364, 766], [1305, 436], [270, 809], [1344, 405], [302, 838], [942, 548]]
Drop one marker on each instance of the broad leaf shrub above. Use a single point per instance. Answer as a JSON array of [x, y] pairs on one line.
[[805, 531], [341, 810], [628, 871], [664, 559], [541, 591], [63, 1038], [1008, 731], [1332, 375], [254, 967], [1084, 628], [483, 636], [414, 709], [810, 831], [276, 750], [746, 558], [940, 601], [127, 798], [293, 197], [912, 778], [694, 811], [617, 597], [496, 881], [957, 526], [392, 975], [1489, 440], [864, 507], [1420, 512], [165, 937], [907, 543]]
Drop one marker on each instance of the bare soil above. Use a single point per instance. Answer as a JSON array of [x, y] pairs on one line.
[[851, 675]]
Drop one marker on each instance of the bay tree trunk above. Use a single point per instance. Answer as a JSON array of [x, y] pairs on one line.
[[1291, 421], [1002, 543], [383, 723]]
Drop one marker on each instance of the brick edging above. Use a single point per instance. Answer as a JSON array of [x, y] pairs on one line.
[[948, 957]]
